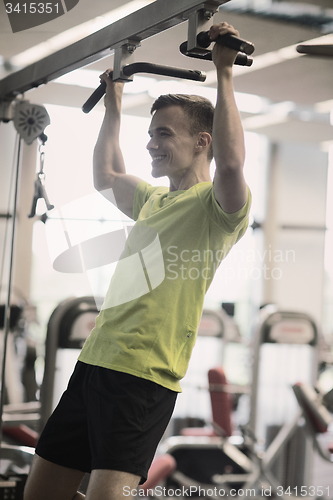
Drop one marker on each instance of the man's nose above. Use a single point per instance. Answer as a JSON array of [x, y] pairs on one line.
[[152, 144]]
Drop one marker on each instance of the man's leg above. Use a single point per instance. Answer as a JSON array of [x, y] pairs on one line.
[[49, 481], [111, 485]]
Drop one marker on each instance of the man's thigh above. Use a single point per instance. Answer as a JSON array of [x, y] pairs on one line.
[[111, 485], [51, 481]]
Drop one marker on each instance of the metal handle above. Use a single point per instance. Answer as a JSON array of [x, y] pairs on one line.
[[143, 67]]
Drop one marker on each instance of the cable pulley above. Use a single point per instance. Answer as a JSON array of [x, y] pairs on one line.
[[30, 120]]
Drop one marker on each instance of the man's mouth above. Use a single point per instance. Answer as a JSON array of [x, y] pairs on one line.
[[158, 158]]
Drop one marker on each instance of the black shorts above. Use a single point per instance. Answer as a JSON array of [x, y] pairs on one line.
[[107, 420]]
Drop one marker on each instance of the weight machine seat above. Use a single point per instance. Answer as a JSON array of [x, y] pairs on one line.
[[221, 405], [23, 434], [199, 431], [220, 400], [316, 416], [160, 469]]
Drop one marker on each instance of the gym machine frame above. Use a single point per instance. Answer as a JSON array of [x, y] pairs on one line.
[[122, 37]]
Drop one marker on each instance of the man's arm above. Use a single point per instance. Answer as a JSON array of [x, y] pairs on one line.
[[228, 136], [108, 162]]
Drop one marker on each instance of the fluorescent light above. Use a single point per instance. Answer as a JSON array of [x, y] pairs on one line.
[[72, 35], [90, 79], [248, 103], [180, 87], [278, 113], [326, 146], [260, 121], [324, 106], [80, 77]]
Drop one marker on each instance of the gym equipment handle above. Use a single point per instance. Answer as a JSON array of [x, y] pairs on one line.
[[316, 50], [230, 41], [241, 59], [142, 67]]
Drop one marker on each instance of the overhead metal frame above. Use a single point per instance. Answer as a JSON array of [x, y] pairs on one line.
[[144, 23]]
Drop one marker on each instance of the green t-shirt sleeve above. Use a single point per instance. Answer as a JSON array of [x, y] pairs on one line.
[[142, 193], [230, 223]]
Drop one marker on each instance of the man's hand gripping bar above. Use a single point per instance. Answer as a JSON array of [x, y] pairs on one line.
[[203, 40], [231, 41]]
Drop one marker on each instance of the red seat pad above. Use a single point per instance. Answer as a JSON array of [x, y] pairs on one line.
[[220, 399]]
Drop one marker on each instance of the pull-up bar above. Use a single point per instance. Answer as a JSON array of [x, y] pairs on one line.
[[142, 67], [203, 42], [144, 23]]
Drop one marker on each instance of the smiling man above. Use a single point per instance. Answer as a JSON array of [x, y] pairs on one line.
[[180, 131], [123, 390]]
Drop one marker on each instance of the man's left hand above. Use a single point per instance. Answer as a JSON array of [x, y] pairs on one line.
[[223, 56]]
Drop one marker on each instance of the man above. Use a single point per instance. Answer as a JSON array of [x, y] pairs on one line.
[[123, 390]]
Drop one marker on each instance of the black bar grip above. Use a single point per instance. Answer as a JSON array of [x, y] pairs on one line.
[[94, 98], [241, 59], [316, 50], [157, 69], [143, 67], [230, 41]]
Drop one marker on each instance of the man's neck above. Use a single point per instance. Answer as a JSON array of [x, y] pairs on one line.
[[189, 181]]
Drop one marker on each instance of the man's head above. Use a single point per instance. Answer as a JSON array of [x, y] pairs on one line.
[[198, 110]]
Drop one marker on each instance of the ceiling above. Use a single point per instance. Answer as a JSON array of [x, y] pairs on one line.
[[297, 89]]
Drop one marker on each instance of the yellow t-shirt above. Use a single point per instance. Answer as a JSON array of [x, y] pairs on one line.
[[148, 323]]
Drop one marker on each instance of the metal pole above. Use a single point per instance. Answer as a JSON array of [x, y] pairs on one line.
[[7, 307]]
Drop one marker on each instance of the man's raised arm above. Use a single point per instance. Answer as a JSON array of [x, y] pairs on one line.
[[228, 136], [108, 162]]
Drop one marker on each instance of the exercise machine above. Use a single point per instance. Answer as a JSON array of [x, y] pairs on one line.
[[285, 351], [275, 457], [218, 338], [69, 326], [30, 122], [211, 461]]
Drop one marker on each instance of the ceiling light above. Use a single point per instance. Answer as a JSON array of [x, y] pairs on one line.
[[90, 79], [278, 113], [248, 103], [324, 106]]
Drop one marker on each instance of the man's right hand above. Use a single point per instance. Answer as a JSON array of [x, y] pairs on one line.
[[114, 90], [109, 167]]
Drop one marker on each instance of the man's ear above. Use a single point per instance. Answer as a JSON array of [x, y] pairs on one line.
[[204, 141]]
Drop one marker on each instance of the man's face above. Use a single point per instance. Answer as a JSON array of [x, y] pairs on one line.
[[171, 145]]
